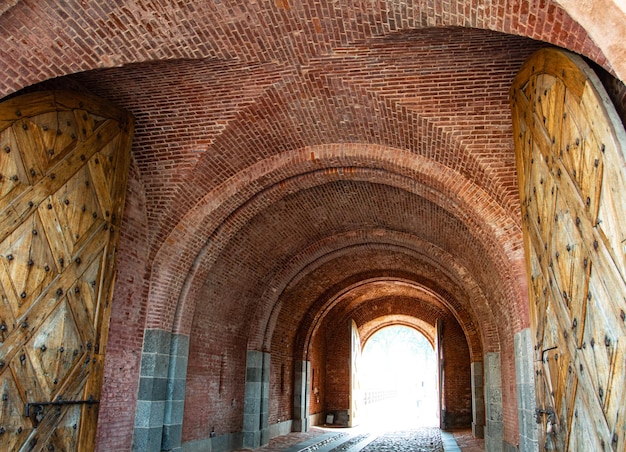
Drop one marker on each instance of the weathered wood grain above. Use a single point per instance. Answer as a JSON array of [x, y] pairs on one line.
[[64, 169], [570, 155]]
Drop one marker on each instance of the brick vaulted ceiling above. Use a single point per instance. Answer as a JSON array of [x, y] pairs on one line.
[[287, 149]]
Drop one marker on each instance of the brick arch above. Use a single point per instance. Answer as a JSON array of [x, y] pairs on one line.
[[403, 298], [380, 239], [415, 304], [260, 110], [328, 301], [373, 326], [49, 41], [425, 308], [326, 157], [388, 109], [462, 294]]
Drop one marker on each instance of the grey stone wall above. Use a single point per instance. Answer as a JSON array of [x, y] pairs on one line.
[[494, 428], [525, 383], [301, 397], [221, 443], [159, 414], [256, 400], [175, 395], [280, 428], [478, 400]]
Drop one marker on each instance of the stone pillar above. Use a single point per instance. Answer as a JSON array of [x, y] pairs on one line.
[[153, 377], [175, 393], [301, 397], [265, 400], [494, 428], [525, 384], [256, 400], [478, 400]]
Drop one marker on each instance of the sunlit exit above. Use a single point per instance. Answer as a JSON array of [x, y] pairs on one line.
[[398, 380]]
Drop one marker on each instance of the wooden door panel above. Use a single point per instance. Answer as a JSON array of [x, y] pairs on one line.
[[583, 437], [78, 209], [59, 225], [542, 393], [542, 199], [611, 223], [538, 303], [64, 436], [616, 387], [573, 135], [562, 384], [55, 349], [619, 431], [12, 171], [83, 299], [14, 426], [7, 320], [549, 103], [28, 266], [604, 332], [573, 199], [56, 129]]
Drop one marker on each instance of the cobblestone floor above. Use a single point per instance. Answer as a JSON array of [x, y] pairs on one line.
[[426, 439], [348, 444], [283, 442], [418, 440], [467, 443]]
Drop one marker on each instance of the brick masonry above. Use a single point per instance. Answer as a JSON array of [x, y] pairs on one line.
[[286, 153]]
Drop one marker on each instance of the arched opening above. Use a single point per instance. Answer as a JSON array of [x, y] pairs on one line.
[[399, 379]]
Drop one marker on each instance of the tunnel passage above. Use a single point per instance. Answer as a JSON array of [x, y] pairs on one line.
[[373, 305], [286, 152]]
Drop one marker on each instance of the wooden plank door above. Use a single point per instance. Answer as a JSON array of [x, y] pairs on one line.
[[570, 146], [63, 168]]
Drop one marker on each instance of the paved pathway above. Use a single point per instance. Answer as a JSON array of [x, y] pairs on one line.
[[404, 427], [423, 439]]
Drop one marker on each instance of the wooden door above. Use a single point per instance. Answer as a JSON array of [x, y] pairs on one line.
[[570, 147], [63, 168]]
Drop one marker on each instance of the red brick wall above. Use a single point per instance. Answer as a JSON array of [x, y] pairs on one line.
[[281, 379], [128, 315], [216, 369], [457, 383], [318, 355], [337, 366], [47, 40]]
